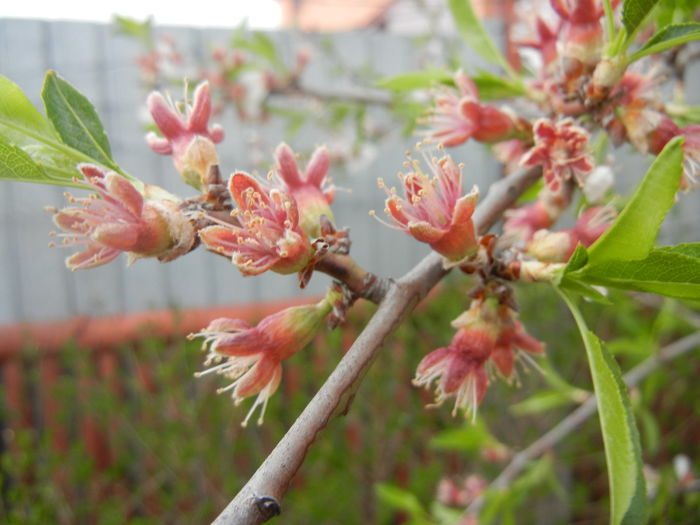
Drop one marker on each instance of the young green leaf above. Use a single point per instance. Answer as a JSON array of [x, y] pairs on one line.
[[15, 164], [20, 122], [415, 80], [474, 34], [634, 12], [59, 167], [672, 272], [634, 232], [75, 120], [492, 87], [620, 435], [668, 37], [400, 499], [141, 30]]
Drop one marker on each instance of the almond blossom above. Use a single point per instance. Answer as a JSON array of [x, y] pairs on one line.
[[459, 115], [186, 134], [251, 356], [487, 334], [118, 219], [433, 209], [269, 237], [561, 148]]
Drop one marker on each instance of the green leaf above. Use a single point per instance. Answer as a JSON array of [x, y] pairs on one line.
[[20, 122], [75, 120], [470, 438], [668, 37], [542, 401], [258, 44], [492, 87], [682, 114], [59, 167], [474, 34], [415, 80], [633, 233], [15, 164], [672, 271], [620, 435], [634, 12], [585, 290], [141, 30], [399, 499]]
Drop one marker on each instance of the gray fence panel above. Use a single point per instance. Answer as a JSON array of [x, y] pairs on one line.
[[34, 284]]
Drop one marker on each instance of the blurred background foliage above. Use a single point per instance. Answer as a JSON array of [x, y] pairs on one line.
[[132, 437]]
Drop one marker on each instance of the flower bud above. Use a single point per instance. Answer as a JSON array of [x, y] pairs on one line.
[[186, 136], [311, 191]]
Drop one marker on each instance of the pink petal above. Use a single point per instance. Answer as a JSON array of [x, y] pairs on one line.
[[201, 110], [72, 220], [94, 255], [224, 324], [158, 144], [125, 193], [465, 206], [220, 239], [249, 264], [164, 116], [287, 166], [318, 167], [117, 236], [265, 371], [425, 232], [247, 342], [239, 183]]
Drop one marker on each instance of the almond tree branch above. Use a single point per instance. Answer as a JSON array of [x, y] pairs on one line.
[[258, 499], [576, 418]]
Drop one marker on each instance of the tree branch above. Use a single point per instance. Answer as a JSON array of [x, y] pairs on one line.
[[257, 500], [580, 415]]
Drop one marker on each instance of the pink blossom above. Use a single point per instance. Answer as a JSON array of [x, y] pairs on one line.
[[581, 34], [511, 341], [562, 150], [251, 356], [311, 190], [120, 220], [544, 41], [458, 116], [523, 222], [555, 247], [269, 238], [488, 333], [458, 370], [434, 210], [186, 134]]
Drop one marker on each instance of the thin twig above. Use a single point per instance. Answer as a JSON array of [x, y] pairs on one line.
[[579, 416], [257, 500]]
